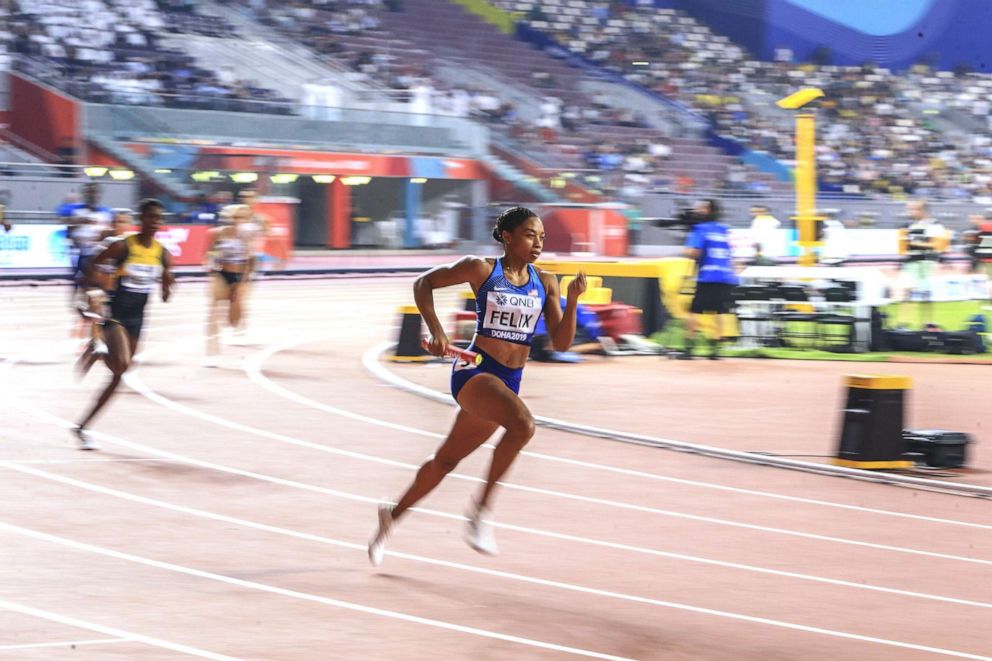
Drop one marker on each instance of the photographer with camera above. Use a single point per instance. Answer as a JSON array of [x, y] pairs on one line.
[[709, 246]]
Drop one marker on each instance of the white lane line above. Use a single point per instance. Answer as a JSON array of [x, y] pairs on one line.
[[263, 587], [290, 293], [294, 594], [133, 380], [361, 547], [52, 462], [303, 486], [254, 367], [111, 631], [371, 357], [75, 345], [65, 643]]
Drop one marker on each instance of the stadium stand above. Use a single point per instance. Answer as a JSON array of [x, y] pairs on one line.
[[917, 132], [878, 137], [543, 109], [108, 51]]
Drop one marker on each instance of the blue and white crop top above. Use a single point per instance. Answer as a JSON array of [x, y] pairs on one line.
[[507, 311]]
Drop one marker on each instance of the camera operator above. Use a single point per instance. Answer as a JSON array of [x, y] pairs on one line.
[[709, 245]]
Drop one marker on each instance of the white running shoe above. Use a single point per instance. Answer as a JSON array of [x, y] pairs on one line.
[[377, 545], [239, 337], [86, 441], [211, 361], [480, 532]]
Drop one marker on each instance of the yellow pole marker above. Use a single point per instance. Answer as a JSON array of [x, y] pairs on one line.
[[806, 217]]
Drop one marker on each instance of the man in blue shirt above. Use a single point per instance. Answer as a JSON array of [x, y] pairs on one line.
[[85, 222], [709, 245]]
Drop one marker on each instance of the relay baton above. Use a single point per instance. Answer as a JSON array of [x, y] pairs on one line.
[[455, 352]]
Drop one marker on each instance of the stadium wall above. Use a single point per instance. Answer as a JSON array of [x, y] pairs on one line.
[[42, 116]]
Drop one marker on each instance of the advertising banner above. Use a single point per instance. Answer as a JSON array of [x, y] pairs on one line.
[[34, 246], [46, 246]]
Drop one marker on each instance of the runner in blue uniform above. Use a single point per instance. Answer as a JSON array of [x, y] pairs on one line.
[[511, 294]]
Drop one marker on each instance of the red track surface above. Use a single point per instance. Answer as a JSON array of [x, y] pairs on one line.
[[229, 508]]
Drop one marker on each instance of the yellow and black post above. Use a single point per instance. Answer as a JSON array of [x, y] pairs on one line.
[[805, 172], [871, 429], [408, 348]]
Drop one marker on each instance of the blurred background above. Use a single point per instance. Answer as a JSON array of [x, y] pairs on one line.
[[401, 126], [375, 139]]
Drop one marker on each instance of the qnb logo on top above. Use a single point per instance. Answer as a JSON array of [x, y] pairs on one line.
[[511, 312]]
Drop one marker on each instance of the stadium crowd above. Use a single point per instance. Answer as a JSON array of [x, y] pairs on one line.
[[109, 51], [876, 138], [919, 132]]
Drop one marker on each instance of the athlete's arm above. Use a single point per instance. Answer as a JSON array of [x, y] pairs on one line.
[[561, 326], [114, 254], [166, 275], [468, 269]]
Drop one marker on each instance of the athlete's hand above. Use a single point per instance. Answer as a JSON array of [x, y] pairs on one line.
[[437, 344], [166, 293], [577, 287]]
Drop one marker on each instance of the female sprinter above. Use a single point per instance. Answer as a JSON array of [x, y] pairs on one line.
[[104, 277], [510, 296], [254, 231], [141, 262], [231, 254]]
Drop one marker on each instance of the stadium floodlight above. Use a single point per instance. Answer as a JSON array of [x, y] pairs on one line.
[[204, 175], [323, 178], [283, 178], [244, 177], [163, 171], [122, 175], [355, 181], [95, 171], [640, 63], [419, 180]]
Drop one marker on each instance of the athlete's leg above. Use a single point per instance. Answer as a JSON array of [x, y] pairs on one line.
[[467, 434], [88, 358], [119, 351], [244, 290], [488, 398], [219, 291], [234, 310]]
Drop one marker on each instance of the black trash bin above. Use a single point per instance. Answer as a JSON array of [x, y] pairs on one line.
[[872, 423]]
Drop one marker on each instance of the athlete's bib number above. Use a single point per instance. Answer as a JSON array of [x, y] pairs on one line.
[[141, 277], [506, 311]]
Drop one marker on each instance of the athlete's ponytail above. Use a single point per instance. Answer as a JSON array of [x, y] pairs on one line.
[[510, 220]]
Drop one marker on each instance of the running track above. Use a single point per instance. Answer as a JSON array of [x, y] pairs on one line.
[[227, 514]]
